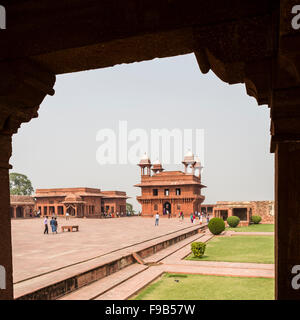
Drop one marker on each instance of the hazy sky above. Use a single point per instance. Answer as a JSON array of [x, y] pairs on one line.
[[58, 149]]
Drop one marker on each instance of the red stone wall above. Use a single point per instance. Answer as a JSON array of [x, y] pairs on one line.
[[265, 209]]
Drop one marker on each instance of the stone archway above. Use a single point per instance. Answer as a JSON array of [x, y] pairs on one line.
[[254, 44], [167, 208]]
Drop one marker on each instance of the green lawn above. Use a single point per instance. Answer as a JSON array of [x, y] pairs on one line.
[[202, 287], [257, 249], [254, 228]]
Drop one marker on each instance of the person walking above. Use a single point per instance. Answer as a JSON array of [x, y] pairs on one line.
[[46, 225], [207, 218], [67, 215], [182, 215], [55, 224], [52, 225], [201, 218], [156, 219], [192, 218], [169, 214]]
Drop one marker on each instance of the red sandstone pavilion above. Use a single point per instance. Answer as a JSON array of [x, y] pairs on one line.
[[170, 191], [80, 202]]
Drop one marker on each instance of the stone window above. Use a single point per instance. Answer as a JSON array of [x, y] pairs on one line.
[[166, 192], [60, 210], [241, 213], [155, 192], [178, 191]]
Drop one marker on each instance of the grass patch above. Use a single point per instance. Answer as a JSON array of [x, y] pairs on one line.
[[202, 287], [256, 249], [254, 228]]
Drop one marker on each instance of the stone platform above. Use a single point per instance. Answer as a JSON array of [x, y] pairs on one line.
[[66, 261]]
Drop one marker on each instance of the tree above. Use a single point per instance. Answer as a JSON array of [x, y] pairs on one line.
[[129, 208], [19, 184]]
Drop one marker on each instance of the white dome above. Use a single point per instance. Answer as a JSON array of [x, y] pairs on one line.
[[198, 163], [189, 153], [145, 157], [189, 157], [156, 162], [145, 160]]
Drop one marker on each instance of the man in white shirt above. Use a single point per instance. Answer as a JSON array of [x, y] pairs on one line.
[[46, 225], [156, 219]]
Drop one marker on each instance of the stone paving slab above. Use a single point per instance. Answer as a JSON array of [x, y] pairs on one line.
[[237, 233], [219, 271], [100, 287], [52, 277], [35, 253]]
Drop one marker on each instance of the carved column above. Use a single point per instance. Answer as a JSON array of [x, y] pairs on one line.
[[23, 87], [285, 143]]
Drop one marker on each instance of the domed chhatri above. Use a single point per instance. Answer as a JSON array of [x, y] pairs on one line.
[[145, 159], [198, 163], [145, 165], [157, 167], [189, 157]]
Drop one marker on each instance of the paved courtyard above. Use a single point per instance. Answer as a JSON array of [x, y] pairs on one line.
[[35, 253]]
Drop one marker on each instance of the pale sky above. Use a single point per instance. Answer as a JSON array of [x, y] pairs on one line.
[[58, 149]]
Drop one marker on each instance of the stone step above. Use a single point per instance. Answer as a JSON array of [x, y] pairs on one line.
[[100, 287], [157, 257], [184, 251], [128, 288]]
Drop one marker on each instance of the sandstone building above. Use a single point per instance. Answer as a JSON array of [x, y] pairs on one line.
[[170, 191], [21, 206], [242, 209], [79, 202]]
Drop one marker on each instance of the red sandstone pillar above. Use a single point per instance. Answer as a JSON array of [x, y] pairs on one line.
[[23, 86], [287, 219], [5, 220], [248, 215], [15, 211]]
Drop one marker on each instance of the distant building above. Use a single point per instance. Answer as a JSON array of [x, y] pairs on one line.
[[242, 209], [21, 206], [79, 202], [171, 192]]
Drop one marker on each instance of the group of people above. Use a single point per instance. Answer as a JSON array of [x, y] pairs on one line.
[[199, 215], [193, 217], [53, 224], [114, 215]]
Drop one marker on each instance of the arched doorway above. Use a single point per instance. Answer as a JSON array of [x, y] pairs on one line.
[[20, 212], [167, 208]]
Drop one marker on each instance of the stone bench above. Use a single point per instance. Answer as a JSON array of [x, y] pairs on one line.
[[70, 228]]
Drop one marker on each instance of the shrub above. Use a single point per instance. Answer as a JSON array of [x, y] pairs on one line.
[[198, 249], [216, 226], [256, 219], [233, 221]]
